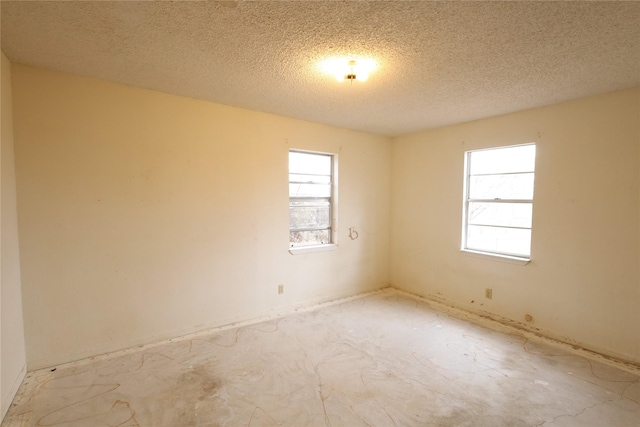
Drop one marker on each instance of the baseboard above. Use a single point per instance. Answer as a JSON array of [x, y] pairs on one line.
[[503, 324], [13, 390], [198, 331], [486, 319]]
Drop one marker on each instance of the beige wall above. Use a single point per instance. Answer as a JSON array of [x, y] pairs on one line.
[[12, 351], [145, 216], [583, 283]]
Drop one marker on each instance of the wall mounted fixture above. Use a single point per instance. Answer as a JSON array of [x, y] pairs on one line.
[[353, 234]]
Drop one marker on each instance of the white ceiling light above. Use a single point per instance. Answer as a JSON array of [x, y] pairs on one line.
[[348, 69]]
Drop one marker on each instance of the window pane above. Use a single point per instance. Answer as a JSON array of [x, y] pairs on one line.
[[307, 238], [321, 179], [307, 163], [309, 216], [309, 190], [503, 160], [513, 186], [512, 241], [310, 203], [505, 214]]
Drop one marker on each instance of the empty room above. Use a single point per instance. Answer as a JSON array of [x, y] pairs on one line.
[[320, 213]]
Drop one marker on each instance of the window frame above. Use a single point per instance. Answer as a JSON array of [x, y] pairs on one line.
[[332, 199], [484, 253]]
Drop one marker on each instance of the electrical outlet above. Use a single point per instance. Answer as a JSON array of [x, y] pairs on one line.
[[280, 289], [488, 293]]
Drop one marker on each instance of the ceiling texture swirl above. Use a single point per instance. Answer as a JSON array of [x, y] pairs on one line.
[[438, 63]]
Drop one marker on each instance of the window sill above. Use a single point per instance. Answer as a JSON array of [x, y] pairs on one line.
[[310, 249], [497, 257]]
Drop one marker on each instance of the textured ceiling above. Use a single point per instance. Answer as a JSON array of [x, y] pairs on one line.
[[439, 62]]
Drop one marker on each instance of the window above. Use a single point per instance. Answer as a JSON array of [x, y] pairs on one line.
[[311, 199], [498, 201]]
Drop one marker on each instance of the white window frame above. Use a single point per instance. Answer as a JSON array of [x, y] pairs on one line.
[[518, 258], [333, 204]]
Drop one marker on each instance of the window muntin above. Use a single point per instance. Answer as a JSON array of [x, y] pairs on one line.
[[498, 200], [311, 188]]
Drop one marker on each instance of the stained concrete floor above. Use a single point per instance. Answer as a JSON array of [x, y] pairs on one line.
[[381, 360]]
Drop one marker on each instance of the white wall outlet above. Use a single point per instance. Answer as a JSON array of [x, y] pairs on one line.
[[488, 293], [280, 289]]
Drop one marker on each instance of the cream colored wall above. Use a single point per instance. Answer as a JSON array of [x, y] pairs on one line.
[[145, 216], [583, 283], [12, 350]]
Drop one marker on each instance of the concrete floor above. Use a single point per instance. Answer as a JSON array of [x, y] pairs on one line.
[[381, 360]]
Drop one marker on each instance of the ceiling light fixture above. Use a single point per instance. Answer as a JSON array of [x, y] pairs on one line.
[[353, 74], [348, 69]]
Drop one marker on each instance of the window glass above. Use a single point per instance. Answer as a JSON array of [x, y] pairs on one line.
[[309, 163], [519, 158], [501, 214], [311, 189], [509, 186], [498, 200], [508, 241]]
